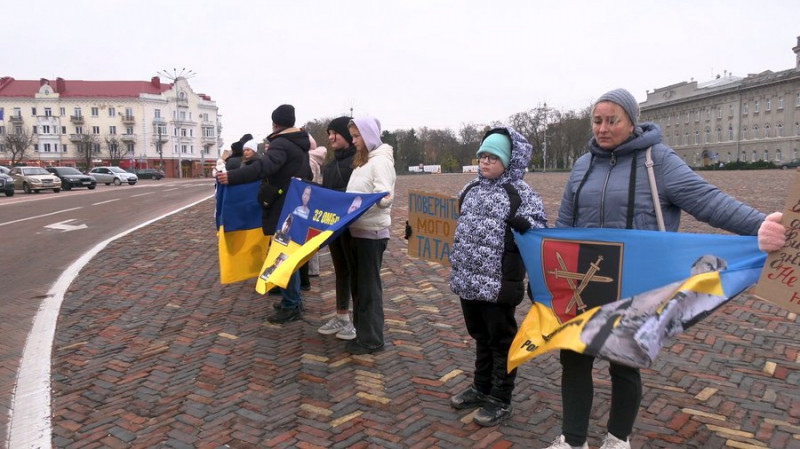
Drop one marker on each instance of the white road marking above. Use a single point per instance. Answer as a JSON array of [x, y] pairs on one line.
[[63, 226], [143, 194], [30, 423], [104, 202], [39, 216]]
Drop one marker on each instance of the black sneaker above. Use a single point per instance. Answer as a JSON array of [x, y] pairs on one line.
[[469, 398], [493, 412], [285, 315], [305, 287], [355, 348], [277, 306]]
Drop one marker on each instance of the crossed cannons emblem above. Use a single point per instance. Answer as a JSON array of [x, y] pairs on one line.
[[583, 278]]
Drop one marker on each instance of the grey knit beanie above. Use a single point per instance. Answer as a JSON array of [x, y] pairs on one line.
[[625, 100]]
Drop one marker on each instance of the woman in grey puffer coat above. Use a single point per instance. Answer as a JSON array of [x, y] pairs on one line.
[[609, 188]]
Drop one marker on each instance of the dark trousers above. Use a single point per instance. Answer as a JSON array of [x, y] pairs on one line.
[[493, 328], [577, 392], [368, 300], [305, 281], [342, 260]]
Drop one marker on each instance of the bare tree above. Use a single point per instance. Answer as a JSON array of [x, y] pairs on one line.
[[17, 143], [88, 147], [317, 129], [114, 149]]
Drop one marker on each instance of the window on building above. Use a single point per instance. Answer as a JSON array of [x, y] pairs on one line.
[[755, 106], [706, 135], [36, 147], [797, 100], [797, 128], [77, 112], [183, 115], [128, 112], [2, 130], [687, 117], [157, 113], [744, 109], [112, 130], [766, 155], [130, 147], [95, 130], [719, 112], [183, 132], [719, 134], [95, 112], [708, 114], [129, 130], [48, 112], [79, 130], [768, 104], [696, 116], [112, 112], [780, 103], [755, 158], [779, 128], [184, 149], [45, 129], [18, 130], [778, 155], [697, 137], [755, 131], [47, 148], [33, 112], [64, 148], [730, 111], [686, 139], [34, 129], [63, 130], [766, 131], [2, 148], [730, 133]]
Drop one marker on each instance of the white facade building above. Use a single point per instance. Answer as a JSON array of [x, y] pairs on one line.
[[134, 124], [755, 118]]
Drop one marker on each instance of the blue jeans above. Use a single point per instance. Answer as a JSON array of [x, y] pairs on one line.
[[291, 294]]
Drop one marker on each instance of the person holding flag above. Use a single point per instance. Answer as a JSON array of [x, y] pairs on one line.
[[609, 187], [373, 172], [287, 157]]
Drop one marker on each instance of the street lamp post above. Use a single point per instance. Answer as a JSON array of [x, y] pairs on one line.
[[174, 76], [544, 150]]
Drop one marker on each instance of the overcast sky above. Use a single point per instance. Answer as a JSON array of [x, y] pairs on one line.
[[411, 63]]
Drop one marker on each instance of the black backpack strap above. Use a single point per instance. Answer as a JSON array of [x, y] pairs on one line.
[[464, 193], [513, 198]]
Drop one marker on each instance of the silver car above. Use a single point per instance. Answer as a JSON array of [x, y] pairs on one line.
[[34, 179], [115, 175]]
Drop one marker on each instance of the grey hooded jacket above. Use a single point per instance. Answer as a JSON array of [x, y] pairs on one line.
[[485, 262], [598, 191]]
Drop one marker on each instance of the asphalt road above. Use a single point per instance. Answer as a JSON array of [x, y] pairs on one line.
[[44, 233]]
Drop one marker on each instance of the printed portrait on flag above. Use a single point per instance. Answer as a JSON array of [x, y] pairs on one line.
[[311, 217], [618, 294]]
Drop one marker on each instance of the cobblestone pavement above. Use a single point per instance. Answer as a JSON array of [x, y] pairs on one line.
[[151, 351]]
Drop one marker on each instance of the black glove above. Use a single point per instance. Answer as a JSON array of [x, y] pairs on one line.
[[408, 231], [519, 224]]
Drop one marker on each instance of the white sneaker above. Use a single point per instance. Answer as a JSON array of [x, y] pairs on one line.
[[348, 333], [333, 326], [561, 443], [612, 442]]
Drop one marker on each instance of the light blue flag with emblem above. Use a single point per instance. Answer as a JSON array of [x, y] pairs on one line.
[[241, 244], [311, 217], [618, 294]]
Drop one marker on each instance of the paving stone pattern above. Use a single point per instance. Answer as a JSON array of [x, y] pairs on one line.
[[151, 351]]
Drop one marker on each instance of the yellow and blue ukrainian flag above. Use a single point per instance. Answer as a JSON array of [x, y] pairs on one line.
[[619, 294], [308, 228], [241, 243]]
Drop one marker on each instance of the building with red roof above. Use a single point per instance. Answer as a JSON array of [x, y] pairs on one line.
[[133, 124]]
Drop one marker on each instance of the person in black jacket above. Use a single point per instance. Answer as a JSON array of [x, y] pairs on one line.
[[236, 157], [287, 157], [335, 175]]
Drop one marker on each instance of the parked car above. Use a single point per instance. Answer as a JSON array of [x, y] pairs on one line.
[[116, 175], [34, 179], [7, 184], [790, 164], [4, 170], [150, 173], [71, 177]]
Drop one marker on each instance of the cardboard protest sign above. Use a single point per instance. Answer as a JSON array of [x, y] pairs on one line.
[[780, 279], [432, 218]]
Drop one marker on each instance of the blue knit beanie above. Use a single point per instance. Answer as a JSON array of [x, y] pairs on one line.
[[498, 145], [625, 100]]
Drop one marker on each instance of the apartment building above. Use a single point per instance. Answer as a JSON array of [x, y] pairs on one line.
[[730, 118], [134, 124]]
